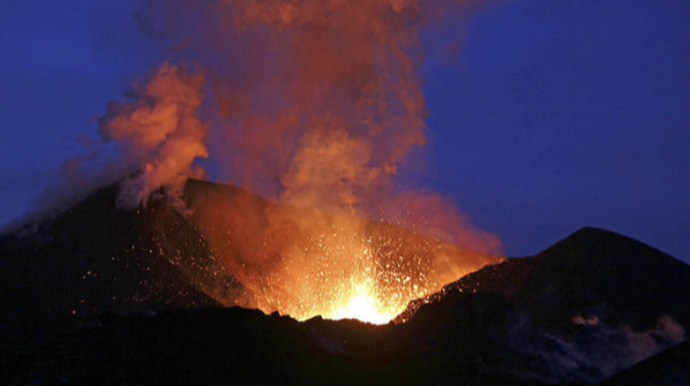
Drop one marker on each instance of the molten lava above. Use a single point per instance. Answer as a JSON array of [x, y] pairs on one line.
[[365, 304], [306, 263]]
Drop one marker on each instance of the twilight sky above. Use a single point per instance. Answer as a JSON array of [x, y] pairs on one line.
[[554, 114]]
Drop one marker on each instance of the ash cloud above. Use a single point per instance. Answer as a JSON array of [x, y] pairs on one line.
[[317, 103], [313, 104]]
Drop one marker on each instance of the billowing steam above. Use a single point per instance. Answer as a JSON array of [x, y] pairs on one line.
[[316, 103], [159, 128]]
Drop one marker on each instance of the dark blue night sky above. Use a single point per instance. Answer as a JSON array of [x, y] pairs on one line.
[[553, 116]]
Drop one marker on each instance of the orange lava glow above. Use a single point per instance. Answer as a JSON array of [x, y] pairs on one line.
[[307, 263], [368, 290], [363, 303]]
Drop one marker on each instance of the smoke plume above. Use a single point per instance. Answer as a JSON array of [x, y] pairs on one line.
[[159, 128], [317, 102], [315, 105]]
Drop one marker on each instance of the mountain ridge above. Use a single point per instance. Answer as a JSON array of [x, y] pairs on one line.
[[95, 258], [102, 295], [580, 265]]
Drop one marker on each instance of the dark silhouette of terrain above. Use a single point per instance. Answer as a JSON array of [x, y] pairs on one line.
[[669, 368], [99, 295], [592, 271], [588, 306], [95, 260]]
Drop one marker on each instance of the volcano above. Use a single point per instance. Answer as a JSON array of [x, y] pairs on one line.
[[96, 259], [103, 295]]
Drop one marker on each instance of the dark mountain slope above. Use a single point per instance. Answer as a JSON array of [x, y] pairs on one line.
[[587, 307], [461, 339], [96, 258], [584, 309], [483, 338], [240, 346], [591, 272]]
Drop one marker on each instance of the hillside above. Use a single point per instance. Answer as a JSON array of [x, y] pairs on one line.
[[100, 295]]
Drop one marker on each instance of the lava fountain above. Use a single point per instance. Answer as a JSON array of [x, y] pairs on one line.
[[305, 262]]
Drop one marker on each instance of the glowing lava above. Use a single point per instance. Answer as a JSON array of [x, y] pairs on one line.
[[307, 263], [365, 305]]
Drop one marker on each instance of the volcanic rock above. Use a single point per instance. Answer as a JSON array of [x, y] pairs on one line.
[[592, 271], [95, 261], [104, 296], [587, 307]]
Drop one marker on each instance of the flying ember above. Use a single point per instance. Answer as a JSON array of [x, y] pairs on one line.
[[306, 263]]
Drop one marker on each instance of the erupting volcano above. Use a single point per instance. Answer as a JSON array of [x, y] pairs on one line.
[[253, 213], [305, 263], [316, 106]]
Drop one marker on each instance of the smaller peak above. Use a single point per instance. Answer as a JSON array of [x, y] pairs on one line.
[[588, 228], [596, 243], [589, 234], [593, 230]]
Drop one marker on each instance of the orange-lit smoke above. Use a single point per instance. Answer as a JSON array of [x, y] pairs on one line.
[[158, 127], [316, 105], [316, 100]]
